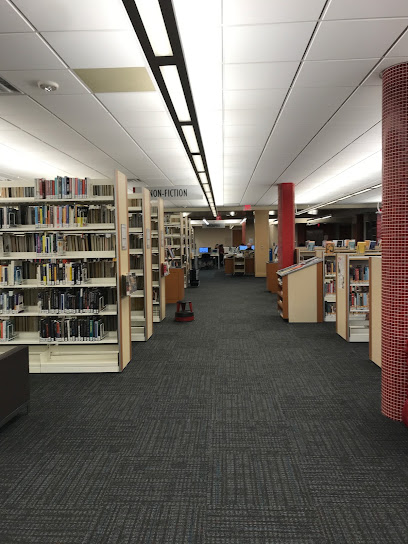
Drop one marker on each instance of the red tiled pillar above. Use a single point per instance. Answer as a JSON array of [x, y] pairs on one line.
[[394, 227], [286, 224]]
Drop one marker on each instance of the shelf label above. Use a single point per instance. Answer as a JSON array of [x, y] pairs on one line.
[[123, 236]]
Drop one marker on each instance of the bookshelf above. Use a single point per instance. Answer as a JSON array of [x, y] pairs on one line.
[[329, 286], [158, 257], [300, 294], [353, 286], [271, 277], [60, 264], [173, 237], [140, 254], [304, 254], [239, 264], [375, 308]]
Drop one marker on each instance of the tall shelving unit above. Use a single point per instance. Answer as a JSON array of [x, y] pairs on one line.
[[353, 286], [376, 310], [61, 263], [158, 257], [329, 286], [173, 235], [140, 253]]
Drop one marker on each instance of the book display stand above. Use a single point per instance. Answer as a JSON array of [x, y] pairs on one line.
[[300, 294], [61, 261], [375, 310]]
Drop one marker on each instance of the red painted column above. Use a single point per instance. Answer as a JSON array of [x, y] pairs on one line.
[[286, 224], [394, 233]]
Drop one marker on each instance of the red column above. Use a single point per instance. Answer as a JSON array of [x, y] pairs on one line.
[[394, 232], [286, 224]]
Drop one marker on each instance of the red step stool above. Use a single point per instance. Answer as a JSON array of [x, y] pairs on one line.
[[183, 314]]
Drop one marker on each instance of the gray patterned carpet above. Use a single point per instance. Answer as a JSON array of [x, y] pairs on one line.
[[236, 428]]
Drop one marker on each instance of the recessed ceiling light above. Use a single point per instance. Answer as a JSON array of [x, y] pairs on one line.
[[48, 86]]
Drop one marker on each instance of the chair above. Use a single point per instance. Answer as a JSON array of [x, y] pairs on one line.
[[206, 261]]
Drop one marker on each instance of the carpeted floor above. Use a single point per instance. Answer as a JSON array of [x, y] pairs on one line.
[[236, 428]]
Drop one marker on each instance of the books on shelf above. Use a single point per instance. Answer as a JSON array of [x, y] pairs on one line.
[[17, 192], [359, 272], [11, 302], [71, 300], [85, 329], [61, 187], [55, 243], [7, 330]]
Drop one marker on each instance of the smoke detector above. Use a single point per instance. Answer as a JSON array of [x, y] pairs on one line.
[[48, 86]]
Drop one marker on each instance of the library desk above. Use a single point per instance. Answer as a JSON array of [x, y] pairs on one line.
[[175, 285], [249, 265]]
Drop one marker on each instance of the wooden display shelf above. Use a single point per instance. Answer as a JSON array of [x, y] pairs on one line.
[[375, 306], [175, 285], [271, 277]]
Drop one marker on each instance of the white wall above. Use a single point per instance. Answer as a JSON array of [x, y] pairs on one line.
[[210, 237]]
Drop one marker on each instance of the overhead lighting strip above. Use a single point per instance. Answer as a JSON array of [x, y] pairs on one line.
[[155, 25], [324, 204]]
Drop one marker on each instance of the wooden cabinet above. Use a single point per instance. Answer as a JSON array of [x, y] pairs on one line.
[[271, 277], [175, 285], [249, 266], [229, 265]]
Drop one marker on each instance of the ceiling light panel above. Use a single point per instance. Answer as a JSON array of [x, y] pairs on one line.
[[152, 18], [266, 43], [75, 15], [97, 49], [26, 51], [366, 9], [11, 20], [190, 136], [26, 81], [198, 161], [365, 39], [242, 12], [175, 89], [268, 75]]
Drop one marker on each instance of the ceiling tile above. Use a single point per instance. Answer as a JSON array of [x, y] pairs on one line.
[[400, 49], [254, 99], [160, 132], [120, 104], [258, 118], [26, 51], [366, 9], [244, 12], [23, 112], [266, 43], [334, 73], [266, 75], [97, 49], [75, 14], [146, 119], [365, 39], [11, 20], [27, 81]]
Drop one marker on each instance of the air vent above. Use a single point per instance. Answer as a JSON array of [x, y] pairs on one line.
[[7, 88]]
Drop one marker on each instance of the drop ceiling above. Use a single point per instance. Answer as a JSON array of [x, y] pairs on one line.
[[285, 91]]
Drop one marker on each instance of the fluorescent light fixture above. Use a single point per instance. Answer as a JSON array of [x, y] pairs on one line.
[[324, 204], [198, 161], [172, 80], [314, 211], [272, 212], [203, 178], [317, 220], [191, 138], [205, 221], [153, 22]]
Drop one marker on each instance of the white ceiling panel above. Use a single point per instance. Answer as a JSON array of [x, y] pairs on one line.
[[334, 73], [374, 78], [254, 193], [259, 118], [168, 145], [4, 125], [266, 75], [26, 51], [266, 43], [96, 49], [370, 197], [23, 112], [146, 119], [254, 99], [153, 132], [366, 9], [400, 49], [27, 81], [365, 39], [245, 12], [75, 14], [366, 98], [11, 20], [124, 103]]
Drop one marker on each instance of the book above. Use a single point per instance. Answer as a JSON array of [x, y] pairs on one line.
[[310, 245], [361, 247], [352, 244], [329, 247]]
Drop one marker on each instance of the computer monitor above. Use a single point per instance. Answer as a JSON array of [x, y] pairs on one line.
[[242, 248], [252, 247], [203, 249]]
